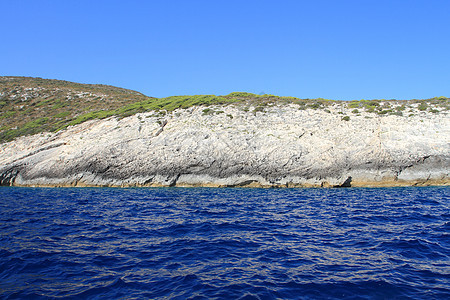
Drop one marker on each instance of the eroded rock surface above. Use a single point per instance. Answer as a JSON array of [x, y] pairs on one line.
[[281, 146]]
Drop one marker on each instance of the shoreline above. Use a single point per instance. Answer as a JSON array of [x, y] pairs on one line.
[[383, 184]]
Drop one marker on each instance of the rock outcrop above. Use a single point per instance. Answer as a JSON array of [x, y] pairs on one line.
[[278, 146]]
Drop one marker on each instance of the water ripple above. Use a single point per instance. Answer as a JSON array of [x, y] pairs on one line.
[[202, 243]]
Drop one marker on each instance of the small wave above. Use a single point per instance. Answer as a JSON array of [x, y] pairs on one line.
[[224, 243]]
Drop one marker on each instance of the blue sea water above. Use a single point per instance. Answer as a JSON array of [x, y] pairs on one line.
[[206, 243]]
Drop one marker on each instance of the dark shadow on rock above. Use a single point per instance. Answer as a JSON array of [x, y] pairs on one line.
[[242, 184], [8, 176], [347, 183]]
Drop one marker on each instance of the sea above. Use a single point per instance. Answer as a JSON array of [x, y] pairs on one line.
[[225, 243]]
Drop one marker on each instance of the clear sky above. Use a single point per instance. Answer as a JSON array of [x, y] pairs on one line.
[[341, 49]]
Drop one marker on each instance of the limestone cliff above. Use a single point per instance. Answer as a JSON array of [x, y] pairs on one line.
[[233, 145]]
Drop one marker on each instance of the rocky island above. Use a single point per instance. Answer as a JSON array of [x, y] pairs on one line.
[[58, 133]]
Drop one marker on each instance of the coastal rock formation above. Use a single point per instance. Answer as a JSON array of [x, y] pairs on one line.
[[229, 145]]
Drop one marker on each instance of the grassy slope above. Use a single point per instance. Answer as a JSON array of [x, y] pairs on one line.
[[33, 105]]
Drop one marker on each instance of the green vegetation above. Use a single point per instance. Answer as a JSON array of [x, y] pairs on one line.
[[400, 108], [422, 106], [207, 111], [62, 114], [259, 108], [354, 104], [33, 105], [242, 95], [396, 107], [8, 114], [383, 112]]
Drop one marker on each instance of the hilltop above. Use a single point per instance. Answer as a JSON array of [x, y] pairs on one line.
[[33, 105]]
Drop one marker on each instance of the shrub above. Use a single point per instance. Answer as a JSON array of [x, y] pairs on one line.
[[354, 104], [346, 118], [422, 106], [207, 111], [258, 109], [385, 111], [370, 102], [315, 105], [242, 94], [302, 105], [371, 105]]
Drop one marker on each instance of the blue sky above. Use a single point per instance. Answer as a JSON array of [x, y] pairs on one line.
[[331, 49]]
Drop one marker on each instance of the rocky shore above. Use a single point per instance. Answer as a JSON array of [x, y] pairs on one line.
[[229, 145]]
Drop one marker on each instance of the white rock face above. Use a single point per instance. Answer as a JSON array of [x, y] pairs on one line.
[[282, 146]]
